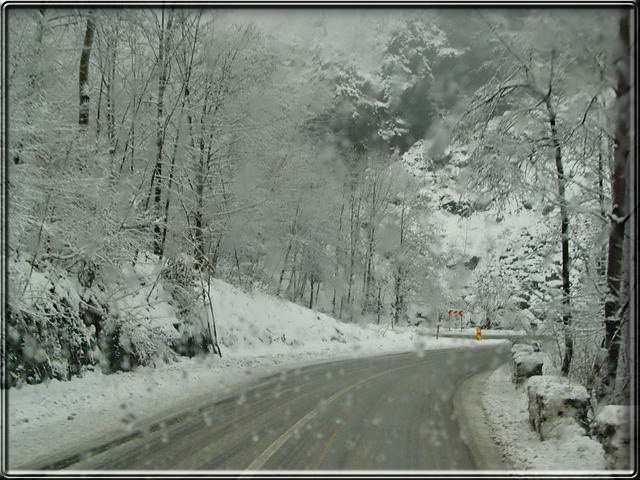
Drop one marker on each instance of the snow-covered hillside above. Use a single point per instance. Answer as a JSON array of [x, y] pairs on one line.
[[471, 226], [481, 240]]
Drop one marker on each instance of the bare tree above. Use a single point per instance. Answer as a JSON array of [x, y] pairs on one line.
[[619, 211], [164, 39], [83, 77], [519, 82]]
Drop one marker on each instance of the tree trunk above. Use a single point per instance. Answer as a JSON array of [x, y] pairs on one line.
[[566, 257], [301, 288], [235, 254], [213, 335], [399, 300], [111, 73], [157, 173], [601, 262], [397, 310], [368, 272], [351, 250], [290, 291], [99, 108], [369, 268], [202, 178], [185, 100], [199, 217], [35, 81], [165, 221], [335, 272], [83, 77], [353, 243], [619, 213], [292, 231]]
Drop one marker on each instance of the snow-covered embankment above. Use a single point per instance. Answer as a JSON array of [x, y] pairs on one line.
[[506, 410], [259, 334]]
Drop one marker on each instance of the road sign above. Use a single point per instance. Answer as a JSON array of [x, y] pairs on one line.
[[457, 313]]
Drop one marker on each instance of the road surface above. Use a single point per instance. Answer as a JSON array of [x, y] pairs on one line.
[[392, 412]]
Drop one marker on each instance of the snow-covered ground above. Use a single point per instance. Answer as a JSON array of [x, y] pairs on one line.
[[261, 335], [506, 411]]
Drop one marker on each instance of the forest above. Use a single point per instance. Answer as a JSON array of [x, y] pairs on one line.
[[320, 156]]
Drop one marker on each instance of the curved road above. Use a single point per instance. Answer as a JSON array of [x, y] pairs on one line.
[[392, 412]]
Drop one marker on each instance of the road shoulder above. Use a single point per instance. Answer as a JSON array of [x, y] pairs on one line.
[[474, 427]]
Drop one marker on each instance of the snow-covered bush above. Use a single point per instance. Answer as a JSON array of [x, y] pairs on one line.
[[142, 322], [47, 335], [179, 271], [60, 322], [179, 279], [130, 341]]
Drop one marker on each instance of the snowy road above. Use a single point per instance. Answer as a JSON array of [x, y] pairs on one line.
[[390, 412]]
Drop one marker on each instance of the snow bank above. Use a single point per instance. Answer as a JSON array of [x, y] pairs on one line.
[[521, 347], [526, 364], [507, 414], [611, 428], [262, 324], [555, 404]]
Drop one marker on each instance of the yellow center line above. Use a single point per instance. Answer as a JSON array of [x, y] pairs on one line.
[[264, 457], [327, 447]]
